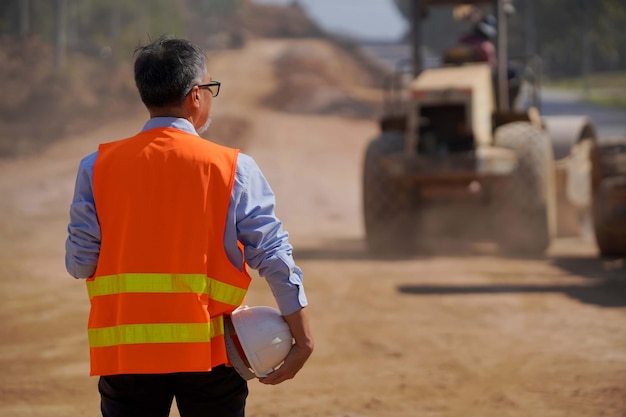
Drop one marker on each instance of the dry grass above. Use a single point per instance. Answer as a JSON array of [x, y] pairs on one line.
[[603, 88]]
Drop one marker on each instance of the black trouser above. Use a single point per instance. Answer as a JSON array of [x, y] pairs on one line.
[[219, 393]]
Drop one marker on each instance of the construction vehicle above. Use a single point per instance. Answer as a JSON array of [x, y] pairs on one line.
[[609, 196], [456, 154]]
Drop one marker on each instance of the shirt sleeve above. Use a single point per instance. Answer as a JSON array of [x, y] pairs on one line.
[[82, 247], [266, 244]]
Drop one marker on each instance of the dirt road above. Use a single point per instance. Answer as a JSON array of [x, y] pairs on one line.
[[457, 332]]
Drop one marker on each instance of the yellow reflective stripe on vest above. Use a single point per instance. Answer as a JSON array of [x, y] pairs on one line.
[[164, 283], [127, 334]]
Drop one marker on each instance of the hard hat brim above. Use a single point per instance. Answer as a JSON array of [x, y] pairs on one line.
[[233, 352]]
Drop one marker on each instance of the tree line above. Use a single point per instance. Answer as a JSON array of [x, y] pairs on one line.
[[572, 36], [577, 36], [101, 27]]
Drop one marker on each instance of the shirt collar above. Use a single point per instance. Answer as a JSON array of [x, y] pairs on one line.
[[173, 122]]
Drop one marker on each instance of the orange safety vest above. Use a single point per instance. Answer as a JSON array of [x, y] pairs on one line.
[[163, 280]]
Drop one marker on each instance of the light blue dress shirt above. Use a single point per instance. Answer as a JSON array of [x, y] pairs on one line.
[[251, 220]]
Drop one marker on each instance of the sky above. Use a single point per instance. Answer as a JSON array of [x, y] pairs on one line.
[[364, 19]]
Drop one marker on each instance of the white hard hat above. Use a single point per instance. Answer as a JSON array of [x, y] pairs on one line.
[[257, 338]]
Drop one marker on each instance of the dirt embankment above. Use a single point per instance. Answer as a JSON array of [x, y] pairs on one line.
[[323, 79], [39, 103]]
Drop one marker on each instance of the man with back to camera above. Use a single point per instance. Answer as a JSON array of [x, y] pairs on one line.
[[162, 225]]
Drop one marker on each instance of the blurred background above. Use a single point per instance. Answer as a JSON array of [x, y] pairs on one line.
[[77, 54], [454, 330]]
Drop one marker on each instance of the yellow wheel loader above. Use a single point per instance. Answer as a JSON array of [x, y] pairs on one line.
[[456, 156]]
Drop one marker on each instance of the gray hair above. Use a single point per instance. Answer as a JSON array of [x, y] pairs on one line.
[[167, 69]]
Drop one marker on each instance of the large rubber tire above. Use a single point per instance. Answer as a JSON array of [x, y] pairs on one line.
[[524, 203], [388, 203], [574, 192], [609, 197]]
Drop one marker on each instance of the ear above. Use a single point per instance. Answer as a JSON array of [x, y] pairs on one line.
[[193, 98]]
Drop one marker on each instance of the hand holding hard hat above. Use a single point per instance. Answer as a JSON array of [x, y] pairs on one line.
[[259, 340]]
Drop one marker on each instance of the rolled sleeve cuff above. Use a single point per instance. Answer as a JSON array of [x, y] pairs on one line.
[[77, 270], [286, 283], [291, 301]]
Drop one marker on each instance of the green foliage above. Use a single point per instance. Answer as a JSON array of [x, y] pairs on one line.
[[564, 29], [119, 26], [97, 27], [209, 8], [570, 28], [572, 36], [610, 33]]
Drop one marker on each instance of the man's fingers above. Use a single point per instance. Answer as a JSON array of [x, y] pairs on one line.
[[300, 350], [293, 363]]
